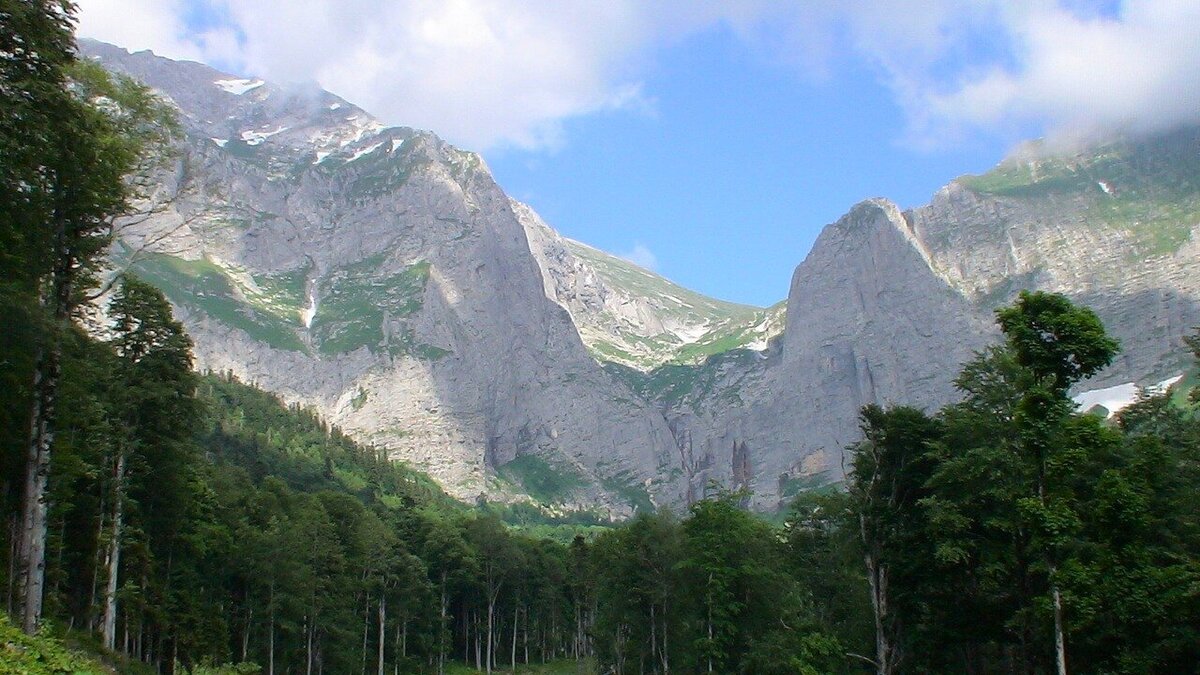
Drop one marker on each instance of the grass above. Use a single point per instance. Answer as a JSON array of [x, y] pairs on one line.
[[42, 654], [790, 486], [1155, 187], [354, 301], [635, 495], [540, 480], [205, 286]]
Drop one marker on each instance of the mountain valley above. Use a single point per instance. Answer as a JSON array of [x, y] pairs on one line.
[[382, 277]]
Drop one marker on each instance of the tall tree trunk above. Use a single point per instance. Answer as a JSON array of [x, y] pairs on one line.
[[46, 375], [513, 660], [491, 624], [877, 580], [1060, 646], [246, 631], [108, 631], [382, 625], [666, 660], [1060, 643], [478, 648], [271, 637], [97, 560], [308, 639], [366, 631], [442, 631], [13, 539], [653, 633], [37, 471]]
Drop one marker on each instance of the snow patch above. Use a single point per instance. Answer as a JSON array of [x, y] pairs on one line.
[[364, 152], [321, 155], [219, 141], [1106, 186], [257, 137], [361, 130], [239, 86], [334, 106], [1116, 398], [396, 142]]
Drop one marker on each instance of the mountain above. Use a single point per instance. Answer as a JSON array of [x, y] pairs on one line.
[[381, 276], [1111, 225], [630, 316]]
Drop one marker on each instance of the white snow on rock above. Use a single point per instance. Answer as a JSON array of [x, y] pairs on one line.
[[396, 142], [219, 141], [256, 137], [321, 155], [239, 86], [364, 152], [1106, 186], [1116, 398]]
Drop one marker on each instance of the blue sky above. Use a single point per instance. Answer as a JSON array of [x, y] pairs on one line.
[[728, 180], [710, 140]]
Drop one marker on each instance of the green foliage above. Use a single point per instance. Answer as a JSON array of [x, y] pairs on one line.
[[41, 654], [1011, 496], [1054, 339], [548, 484]]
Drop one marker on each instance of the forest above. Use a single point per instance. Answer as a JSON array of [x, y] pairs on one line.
[[161, 520]]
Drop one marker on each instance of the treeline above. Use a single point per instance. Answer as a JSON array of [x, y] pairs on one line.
[[243, 531], [1009, 533]]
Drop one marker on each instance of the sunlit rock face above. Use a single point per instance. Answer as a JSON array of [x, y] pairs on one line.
[[381, 276]]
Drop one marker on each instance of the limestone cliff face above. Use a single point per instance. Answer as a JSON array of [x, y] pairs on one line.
[[631, 316], [383, 277], [868, 321], [1112, 225]]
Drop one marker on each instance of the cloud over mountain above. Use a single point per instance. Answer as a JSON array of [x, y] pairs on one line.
[[496, 73]]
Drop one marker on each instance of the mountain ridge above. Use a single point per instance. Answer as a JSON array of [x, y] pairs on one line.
[[392, 285]]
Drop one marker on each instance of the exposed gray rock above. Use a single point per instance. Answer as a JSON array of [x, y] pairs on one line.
[[382, 277], [388, 284]]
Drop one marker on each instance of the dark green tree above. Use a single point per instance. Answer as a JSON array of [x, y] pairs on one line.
[[890, 470]]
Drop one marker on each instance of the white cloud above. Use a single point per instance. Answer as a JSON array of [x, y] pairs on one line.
[[641, 256], [1066, 68], [494, 73], [139, 24], [482, 73]]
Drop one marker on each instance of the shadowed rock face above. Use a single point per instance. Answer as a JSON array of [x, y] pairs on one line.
[[381, 276]]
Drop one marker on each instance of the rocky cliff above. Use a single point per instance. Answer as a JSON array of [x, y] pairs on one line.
[[381, 276]]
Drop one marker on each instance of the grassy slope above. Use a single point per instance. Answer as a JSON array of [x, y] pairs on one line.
[[1153, 186], [268, 307], [727, 325]]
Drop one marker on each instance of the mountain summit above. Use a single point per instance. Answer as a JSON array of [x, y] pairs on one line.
[[381, 276]]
